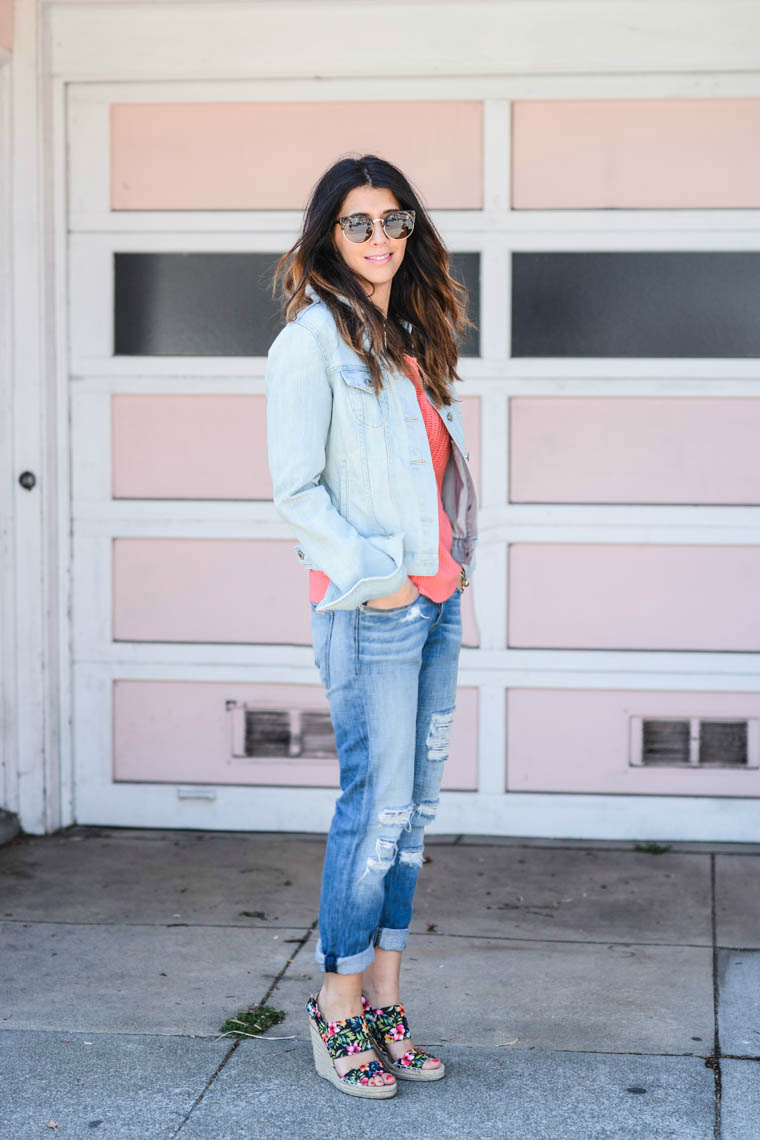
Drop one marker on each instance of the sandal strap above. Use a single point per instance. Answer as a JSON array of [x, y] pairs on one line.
[[414, 1059], [388, 1021], [363, 1074], [344, 1037]]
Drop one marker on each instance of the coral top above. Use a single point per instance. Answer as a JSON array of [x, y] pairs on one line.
[[440, 586]]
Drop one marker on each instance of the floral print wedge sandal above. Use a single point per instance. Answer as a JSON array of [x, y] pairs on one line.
[[339, 1039], [388, 1023]]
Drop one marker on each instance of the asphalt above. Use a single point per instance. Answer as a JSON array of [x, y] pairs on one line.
[[576, 990]]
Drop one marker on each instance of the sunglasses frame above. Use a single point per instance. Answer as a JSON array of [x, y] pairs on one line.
[[348, 217]]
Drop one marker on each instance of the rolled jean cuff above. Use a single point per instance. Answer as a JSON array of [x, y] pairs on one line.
[[353, 964], [388, 939]]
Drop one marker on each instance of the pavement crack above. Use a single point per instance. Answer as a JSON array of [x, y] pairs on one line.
[[714, 1061], [233, 1048]]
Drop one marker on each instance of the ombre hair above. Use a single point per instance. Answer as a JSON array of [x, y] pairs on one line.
[[423, 292]]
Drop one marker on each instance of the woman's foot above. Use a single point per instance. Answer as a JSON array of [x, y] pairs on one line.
[[397, 1045], [336, 1009]]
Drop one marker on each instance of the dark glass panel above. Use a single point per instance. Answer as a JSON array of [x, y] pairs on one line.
[[642, 304]]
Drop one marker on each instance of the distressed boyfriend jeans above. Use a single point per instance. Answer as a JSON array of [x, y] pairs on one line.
[[390, 677]]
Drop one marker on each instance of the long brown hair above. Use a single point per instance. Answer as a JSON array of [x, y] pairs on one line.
[[423, 292]]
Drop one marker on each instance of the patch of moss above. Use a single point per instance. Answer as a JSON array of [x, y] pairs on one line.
[[253, 1019], [652, 848]]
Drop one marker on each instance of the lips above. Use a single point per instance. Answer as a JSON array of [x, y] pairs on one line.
[[379, 259]]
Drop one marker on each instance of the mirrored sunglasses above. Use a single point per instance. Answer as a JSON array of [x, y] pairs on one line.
[[360, 227]]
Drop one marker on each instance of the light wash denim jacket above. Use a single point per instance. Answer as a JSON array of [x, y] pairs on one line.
[[351, 471]]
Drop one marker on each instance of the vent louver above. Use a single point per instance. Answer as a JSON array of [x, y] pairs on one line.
[[281, 733], [695, 742]]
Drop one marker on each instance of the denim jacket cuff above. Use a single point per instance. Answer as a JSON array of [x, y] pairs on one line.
[[363, 590]]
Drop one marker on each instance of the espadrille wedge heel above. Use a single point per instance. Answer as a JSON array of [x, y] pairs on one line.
[[388, 1023], [340, 1039]]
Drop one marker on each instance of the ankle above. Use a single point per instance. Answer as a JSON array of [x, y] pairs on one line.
[[338, 1002], [381, 994]]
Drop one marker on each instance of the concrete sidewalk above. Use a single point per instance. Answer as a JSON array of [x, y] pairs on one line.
[[576, 990]]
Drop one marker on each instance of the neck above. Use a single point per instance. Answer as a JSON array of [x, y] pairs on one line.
[[380, 296]]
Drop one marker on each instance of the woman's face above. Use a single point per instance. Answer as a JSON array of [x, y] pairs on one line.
[[375, 261]]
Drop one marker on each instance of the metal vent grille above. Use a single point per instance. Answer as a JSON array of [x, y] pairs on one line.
[[665, 743], [267, 733], [723, 743], [694, 742], [281, 733]]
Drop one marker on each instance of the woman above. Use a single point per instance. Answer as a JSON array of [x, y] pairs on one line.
[[366, 453]]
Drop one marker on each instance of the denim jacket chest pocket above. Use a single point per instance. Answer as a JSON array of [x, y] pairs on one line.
[[367, 409]]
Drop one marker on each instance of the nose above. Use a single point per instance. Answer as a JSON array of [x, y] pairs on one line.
[[378, 234]]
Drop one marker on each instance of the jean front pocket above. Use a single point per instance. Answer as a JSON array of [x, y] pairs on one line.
[[366, 609], [321, 638]]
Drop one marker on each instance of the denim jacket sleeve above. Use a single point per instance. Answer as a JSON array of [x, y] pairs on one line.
[[299, 409]]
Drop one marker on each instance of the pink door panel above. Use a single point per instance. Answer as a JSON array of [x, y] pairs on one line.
[[576, 740], [230, 156], [189, 447], [570, 154], [623, 596], [241, 591], [193, 732], [634, 450]]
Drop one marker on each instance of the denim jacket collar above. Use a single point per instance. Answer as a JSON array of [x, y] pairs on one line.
[[312, 293]]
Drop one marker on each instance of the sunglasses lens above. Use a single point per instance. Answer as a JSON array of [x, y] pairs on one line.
[[399, 224], [358, 228]]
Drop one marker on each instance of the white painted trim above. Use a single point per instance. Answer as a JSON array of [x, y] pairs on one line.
[[712, 83], [59, 379], [181, 518], [8, 766], [218, 40], [245, 374], [35, 432], [642, 818], [600, 670]]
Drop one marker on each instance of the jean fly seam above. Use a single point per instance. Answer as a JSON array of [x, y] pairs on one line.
[[438, 616], [328, 643]]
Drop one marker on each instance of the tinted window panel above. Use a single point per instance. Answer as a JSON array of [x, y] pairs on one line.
[[684, 304], [217, 304], [465, 267], [193, 304]]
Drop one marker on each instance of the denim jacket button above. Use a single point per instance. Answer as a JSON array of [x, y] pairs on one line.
[[449, 416]]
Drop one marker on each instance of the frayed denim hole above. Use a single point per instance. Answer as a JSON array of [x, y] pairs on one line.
[[439, 734], [385, 857], [425, 813], [411, 857], [402, 816]]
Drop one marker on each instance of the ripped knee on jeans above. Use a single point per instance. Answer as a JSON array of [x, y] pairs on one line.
[[397, 815], [383, 859], [425, 813], [411, 857]]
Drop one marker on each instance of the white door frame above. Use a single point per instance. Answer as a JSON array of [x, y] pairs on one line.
[[7, 751], [35, 573]]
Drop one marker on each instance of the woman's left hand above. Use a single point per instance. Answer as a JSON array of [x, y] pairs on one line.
[[402, 597]]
